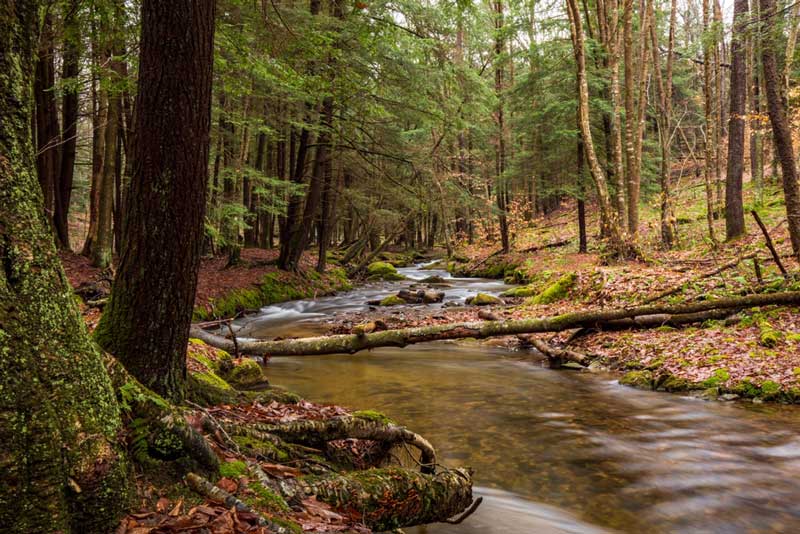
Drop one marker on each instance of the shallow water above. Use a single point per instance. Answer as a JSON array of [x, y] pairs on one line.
[[565, 452]]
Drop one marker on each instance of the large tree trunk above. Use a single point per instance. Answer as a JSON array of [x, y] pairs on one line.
[[710, 166], [734, 209], [146, 324], [64, 469], [341, 344], [780, 124]]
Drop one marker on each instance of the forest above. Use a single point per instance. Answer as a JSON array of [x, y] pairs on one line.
[[421, 266]]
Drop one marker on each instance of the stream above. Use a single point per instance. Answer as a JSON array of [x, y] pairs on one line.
[[555, 451]]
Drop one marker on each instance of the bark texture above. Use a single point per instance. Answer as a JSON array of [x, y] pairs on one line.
[[146, 324], [63, 467], [734, 208], [780, 124]]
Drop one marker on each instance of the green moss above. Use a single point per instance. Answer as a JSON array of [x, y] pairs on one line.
[[381, 270], [246, 373], [768, 336], [483, 299], [233, 469], [275, 287], [557, 290], [793, 337], [674, 383], [638, 379], [770, 388], [392, 300], [373, 415], [523, 291], [261, 448], [718, 378], [266, 499]]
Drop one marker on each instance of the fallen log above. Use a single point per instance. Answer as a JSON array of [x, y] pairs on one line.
[[386, 499], [351, 343], [557, 356]]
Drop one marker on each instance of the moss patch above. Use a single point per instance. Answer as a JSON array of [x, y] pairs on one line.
[[381, 270], [245, 373], [392, 300], [372, 415], [233, 470], [556, 291]]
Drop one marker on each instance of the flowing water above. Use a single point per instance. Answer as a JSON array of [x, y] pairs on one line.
[[558, 451]]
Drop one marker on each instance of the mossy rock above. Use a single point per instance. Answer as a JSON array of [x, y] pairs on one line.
[[673, 383], [382, 270], [245, 373], [433, 280], [638, 379], [523, 291], [392, 300], [483, 299], [717, 379], [557, 290], [208, 388], [517, 276]]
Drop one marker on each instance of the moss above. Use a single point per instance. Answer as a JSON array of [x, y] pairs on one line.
[[373, 415], [209, 388], [381, 270], [768, 336], [233, 469], [674, 383], [392, 300], [718, 378], [793, 337], [557, 290], [275, 287], [266, 499], [770, 389], [638, 379], [484, 299], [246, 373], [524, 291], [261, 448]]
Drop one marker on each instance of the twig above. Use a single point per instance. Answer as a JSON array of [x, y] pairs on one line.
[[770, 245], [236, 353]]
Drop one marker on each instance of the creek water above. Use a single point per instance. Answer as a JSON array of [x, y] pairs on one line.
[[557, 451]]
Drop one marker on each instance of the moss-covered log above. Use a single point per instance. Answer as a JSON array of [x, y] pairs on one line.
[[63, 467], [614, 318], [386, 499]]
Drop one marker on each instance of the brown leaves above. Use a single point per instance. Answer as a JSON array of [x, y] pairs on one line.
[[275, 412]]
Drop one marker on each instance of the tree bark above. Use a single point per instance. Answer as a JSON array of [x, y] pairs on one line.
[[500, 186], [781, 131], [147, 319], [351, 343], [734, 207], [64, 468], [69, 124]]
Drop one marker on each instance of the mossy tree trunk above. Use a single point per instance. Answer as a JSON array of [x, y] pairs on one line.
[[146, 325], [63, 466]]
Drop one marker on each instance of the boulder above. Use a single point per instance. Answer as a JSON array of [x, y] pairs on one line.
[[392, 300], [381, 270]]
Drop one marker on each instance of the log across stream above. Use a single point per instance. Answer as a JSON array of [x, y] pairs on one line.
[[563, 452]]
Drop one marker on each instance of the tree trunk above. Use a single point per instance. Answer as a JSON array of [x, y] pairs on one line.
[[69, 109], [710, 166], [147, 319], [64, 469], [500, 186], [48, 132], [351, 343], [734, 208], [781, 132]]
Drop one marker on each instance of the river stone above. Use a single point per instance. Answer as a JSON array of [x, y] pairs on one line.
[[435, 279], [482, 299], [431, 297]]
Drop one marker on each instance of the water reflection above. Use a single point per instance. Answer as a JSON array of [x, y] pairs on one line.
[[572, 450]]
